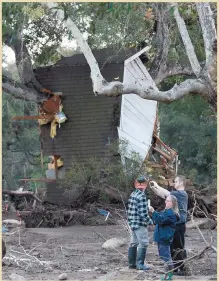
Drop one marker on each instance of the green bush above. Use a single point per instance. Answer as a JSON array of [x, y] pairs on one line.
[[96, 172]]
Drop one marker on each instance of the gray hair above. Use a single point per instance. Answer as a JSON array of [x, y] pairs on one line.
[[175, 204]]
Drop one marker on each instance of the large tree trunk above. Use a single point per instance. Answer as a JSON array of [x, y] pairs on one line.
[[28, 88]]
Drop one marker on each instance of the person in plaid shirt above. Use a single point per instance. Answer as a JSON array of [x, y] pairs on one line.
[[138, 219]]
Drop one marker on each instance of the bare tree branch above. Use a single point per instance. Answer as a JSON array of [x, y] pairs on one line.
[[195, 86], [20, 91], [187, 42], [116, 88], [208, 27], [173, 71]]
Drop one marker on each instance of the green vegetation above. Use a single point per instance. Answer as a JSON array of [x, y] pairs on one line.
[[189, 126]]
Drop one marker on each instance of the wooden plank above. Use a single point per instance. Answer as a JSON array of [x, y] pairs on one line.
[[164, 145], [38, 180], [21, 193], [162, 153], [46, 116]]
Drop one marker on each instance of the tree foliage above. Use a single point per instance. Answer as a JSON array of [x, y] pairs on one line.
[[190, 127], [20, 146], [41, 32]]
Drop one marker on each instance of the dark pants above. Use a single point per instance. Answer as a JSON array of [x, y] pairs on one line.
[[178, 252]]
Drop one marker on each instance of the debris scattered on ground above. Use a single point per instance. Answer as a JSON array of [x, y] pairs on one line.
[[45, 253]]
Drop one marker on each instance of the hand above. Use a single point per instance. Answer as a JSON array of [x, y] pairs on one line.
[[151, 209], [151, 227], [153, 184]]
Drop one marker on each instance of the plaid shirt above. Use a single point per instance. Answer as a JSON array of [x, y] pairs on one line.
[[138, 210]]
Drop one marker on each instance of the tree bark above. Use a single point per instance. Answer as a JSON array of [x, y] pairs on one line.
[[187, 42], [29, 87], [162, 42], [208, 28], [23, 60], [21, 91]]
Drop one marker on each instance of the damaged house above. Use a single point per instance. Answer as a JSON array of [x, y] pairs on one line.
[[75, 124]]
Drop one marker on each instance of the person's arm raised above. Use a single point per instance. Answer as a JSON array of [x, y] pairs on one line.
[[160, 191]]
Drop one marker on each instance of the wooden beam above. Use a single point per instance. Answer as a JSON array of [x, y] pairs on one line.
[[21, 193], [38, 180], [173, 152], [46, 116], [162, 153]]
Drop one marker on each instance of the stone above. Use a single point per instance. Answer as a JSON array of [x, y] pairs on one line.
[[114, 243], [63, 276], [16, 277]]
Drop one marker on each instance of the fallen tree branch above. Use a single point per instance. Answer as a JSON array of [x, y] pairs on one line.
[[191, 258], [192, 219], [21, 194]]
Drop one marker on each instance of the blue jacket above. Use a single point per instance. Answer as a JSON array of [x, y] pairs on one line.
[[165, 226]]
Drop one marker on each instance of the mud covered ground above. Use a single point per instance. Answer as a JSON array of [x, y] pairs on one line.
[[45, 253]]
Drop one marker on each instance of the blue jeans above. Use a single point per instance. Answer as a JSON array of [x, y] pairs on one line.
[[165, 255], [139, 237]]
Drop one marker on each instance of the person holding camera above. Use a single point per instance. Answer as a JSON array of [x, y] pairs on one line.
[[164, 231], [178, 251]]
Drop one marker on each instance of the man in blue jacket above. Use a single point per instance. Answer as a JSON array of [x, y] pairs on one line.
[[138, 219], [178, 251]]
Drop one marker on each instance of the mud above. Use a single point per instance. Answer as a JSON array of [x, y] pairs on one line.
[[45, 253]]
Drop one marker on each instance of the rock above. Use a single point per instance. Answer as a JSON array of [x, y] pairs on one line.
[[114, 243], [63, 276], [202, 223], [16, 277]]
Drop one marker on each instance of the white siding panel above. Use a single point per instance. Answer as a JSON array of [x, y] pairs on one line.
[[133, 146], [138, 115]]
